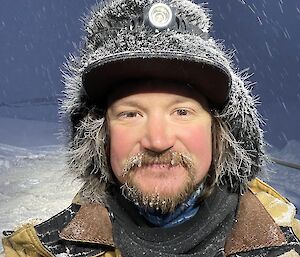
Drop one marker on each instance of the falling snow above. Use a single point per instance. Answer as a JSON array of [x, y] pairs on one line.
[[35, 37]]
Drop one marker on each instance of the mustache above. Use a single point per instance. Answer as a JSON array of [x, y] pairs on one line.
[[169, 158]]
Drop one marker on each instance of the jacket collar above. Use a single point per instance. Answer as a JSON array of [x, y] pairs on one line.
[[254, 227], [90, 225]]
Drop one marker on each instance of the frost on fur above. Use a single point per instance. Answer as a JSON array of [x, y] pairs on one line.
[[87, 156], [245, 150]]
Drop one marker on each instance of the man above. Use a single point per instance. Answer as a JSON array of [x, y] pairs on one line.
[[165, 135]]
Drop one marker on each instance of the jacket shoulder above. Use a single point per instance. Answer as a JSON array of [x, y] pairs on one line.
[[24, 242], [258, 230], [44, 240], [281, 210]]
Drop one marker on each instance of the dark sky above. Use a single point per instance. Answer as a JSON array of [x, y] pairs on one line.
[[36, 35]]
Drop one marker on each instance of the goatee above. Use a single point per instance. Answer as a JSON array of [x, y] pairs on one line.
[[156, 201]]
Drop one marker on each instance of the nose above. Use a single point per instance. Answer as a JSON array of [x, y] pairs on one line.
[[159, 136]]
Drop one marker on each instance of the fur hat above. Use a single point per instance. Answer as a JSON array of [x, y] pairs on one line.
[[130, 39]]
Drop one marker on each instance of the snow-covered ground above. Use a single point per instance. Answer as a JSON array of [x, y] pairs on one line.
[[34, 183], [33, 179]]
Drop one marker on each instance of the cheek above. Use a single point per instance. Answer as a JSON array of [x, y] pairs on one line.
[[198, 141], [121, 145]]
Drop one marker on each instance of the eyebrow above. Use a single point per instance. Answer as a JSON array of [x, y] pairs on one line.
[[136, 103], [130, 103], [179, 99]]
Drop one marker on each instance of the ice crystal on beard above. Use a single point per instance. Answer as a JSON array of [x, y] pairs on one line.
[[136, 160]]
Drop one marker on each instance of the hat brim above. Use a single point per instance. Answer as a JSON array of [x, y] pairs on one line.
[[101, 78]]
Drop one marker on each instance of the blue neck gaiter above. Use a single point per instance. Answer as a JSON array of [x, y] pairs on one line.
[[182, 213]]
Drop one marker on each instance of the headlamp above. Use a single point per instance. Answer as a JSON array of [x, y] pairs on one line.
[[160, 15]]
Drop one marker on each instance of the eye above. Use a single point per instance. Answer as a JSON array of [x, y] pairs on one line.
[[182, 112], [128, 115]]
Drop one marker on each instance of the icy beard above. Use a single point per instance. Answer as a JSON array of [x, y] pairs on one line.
[[155, 201]]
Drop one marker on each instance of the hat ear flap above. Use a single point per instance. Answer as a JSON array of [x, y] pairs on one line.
[[246, 156]]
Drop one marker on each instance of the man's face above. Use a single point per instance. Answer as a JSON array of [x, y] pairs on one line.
[[160, 143]]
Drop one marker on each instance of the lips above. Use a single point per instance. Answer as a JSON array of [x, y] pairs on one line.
[[159, 176]]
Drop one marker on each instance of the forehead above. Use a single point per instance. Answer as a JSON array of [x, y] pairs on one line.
[[174, 89]]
